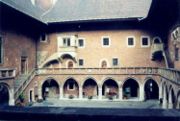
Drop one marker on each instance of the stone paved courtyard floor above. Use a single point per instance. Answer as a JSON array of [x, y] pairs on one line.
[[150, 104]]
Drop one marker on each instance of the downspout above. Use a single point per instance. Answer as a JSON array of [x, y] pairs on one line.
[[165, 58]]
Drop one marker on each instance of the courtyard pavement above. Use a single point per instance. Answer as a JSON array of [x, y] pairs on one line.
[[150, 104]]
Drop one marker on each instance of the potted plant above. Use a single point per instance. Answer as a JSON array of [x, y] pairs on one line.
[[21, 97]]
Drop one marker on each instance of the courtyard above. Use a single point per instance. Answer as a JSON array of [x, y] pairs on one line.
[[150, 104]]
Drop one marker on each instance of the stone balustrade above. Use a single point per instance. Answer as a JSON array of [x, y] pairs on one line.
[[7, 73]]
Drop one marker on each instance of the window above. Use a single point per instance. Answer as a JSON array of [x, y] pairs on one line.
[[115, 61], [81, 43], [66, 42], [145, 41], [176, 54], [104, 64], [81, 62], [131, 42], [1, 50], [105, 41], [70, 64], [43, 37], [24, 65]]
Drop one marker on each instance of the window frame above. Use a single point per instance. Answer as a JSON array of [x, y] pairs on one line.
[[41, 40], [82, 62], [66, 42], [102, 41], [113, 62], [134, 40], [148, 39], [83, 43], [1, 50]]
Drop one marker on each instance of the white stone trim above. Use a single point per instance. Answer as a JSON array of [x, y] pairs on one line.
[[157, 38], [145, 46], [102, 38], [130, 46]]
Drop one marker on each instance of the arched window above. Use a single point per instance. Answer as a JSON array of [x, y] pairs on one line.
[[104, 64], [70, 64], [157, 40]]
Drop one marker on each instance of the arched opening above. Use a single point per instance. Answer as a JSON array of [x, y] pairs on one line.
[[157, 40], [50, 89], [71, 89], [151, 90], [110, 89], [130, 89], [90, 89], [4, 94], [103, 64]]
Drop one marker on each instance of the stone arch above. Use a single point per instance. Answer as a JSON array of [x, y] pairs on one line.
[[50, 88], [172, 97], [157, 40], [151, 89], [110, 88], [4, 94], [131, 88], [52, 64], [71, 88], [90, 88]]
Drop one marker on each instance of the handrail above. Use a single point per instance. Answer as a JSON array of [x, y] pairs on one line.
[[20, 89]]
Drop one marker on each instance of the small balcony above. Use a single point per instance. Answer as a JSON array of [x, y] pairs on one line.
[[68, 49], [7, 73]]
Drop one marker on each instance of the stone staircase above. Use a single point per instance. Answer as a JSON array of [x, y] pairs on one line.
[[20, 79], [21, 82]]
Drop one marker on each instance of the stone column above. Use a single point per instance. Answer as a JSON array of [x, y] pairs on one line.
[[80, 93], [160, 91], [141, 91], [61, 93], [164, 100], [11, 97], [120, 93], [100, 93], [39, 93], [170, 103]]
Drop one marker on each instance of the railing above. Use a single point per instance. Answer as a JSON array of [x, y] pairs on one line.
[[96, 71], [7, 73], [156, 47], [24, 84], [170, 74]]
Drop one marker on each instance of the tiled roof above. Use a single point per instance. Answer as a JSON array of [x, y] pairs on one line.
[[76, 10]]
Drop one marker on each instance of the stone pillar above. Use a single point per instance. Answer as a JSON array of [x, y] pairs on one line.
[[11, 97], [39, 93], [164, 100], [170, 103], [120, 93], [80, 93], [141, 91], [160, 92], [100, 93], [61, 95]]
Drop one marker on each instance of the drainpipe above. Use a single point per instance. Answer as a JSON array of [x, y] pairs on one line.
[[165, 58]]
